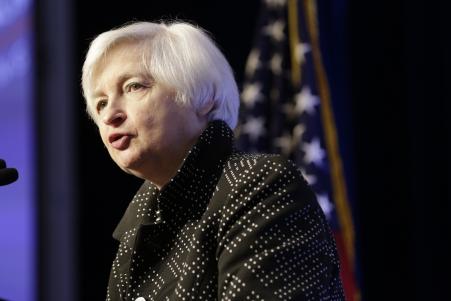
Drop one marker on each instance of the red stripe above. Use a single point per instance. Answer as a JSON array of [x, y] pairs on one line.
[[346, 271]]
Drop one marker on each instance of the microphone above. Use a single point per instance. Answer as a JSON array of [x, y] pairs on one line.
[[7, 175]]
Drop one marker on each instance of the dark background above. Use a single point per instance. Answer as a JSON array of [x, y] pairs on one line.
[[389, 70]]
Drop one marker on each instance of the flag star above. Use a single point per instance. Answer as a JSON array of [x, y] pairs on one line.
[[301, 50], [298, 131], [285, 143], [310, 178], [306, 101], [325, 204], [251, 94], [275, 3], [313, 152], [253, 62], [288, 142], [276, 64], [275, 94], [275, 30], [254, 127], [290, 111]]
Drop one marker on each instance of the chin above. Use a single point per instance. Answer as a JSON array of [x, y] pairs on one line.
[[127, 160], [129, 170], [132, 167], [133, 173]]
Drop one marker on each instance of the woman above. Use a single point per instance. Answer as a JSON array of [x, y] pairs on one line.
[[209, 222]]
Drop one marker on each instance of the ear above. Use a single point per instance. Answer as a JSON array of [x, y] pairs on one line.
[[206, 108]]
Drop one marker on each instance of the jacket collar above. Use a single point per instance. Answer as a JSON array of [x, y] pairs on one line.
[[188, 193]]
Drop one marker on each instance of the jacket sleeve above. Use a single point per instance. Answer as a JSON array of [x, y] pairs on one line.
[[275, 243]]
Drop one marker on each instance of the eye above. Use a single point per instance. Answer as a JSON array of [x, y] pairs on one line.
[[133, 87], [101, 104]]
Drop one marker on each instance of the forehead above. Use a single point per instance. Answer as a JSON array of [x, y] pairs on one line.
[[122, 60]]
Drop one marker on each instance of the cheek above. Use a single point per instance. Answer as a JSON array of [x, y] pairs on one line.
[[145, 120], [103, 137]]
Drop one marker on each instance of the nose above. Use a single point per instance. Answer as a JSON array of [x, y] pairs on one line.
[[114, 116]]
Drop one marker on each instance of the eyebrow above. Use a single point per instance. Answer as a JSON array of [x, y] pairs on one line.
[[123, 77]]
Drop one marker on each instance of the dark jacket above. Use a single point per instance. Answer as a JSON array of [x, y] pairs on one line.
[[228, 226]]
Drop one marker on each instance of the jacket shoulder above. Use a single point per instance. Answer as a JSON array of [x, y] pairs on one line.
[[242, 166]]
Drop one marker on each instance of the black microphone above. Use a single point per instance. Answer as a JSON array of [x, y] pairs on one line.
[[7, 175]]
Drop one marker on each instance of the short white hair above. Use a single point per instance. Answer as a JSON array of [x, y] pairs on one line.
[[178, 55]]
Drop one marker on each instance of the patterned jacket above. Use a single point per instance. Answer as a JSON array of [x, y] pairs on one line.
[[228, 226]]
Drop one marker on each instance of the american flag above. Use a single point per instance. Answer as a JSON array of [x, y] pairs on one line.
[[286, 109]]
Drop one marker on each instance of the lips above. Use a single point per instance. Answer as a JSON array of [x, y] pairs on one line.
[[119, 141]]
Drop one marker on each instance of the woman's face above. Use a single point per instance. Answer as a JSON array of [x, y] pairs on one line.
[[146, 133]]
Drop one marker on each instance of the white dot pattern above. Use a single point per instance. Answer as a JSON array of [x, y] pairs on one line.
[[228, 226]]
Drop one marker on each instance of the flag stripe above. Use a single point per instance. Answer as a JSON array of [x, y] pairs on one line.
[[294, 39], [331, 138], [346, 274], [332, 147]]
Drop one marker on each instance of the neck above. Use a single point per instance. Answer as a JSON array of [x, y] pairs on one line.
[[165, 168]]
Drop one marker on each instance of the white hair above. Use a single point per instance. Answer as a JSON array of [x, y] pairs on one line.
[[178, 55]]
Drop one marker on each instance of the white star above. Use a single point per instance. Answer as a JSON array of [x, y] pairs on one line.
[[288, 142], [290, 111], [274, 94], [276, 64], [313, 152], [325, 204], [275, 30], [275, 3], [254, 127], [253, 62], [310, 178], [285, 143], [301, 50], [306, 101], [298, 131], [251, 94]]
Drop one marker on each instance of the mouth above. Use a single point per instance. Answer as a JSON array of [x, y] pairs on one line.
[[119, 141]]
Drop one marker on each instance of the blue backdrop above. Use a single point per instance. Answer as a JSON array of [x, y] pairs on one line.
[[17, 214]]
